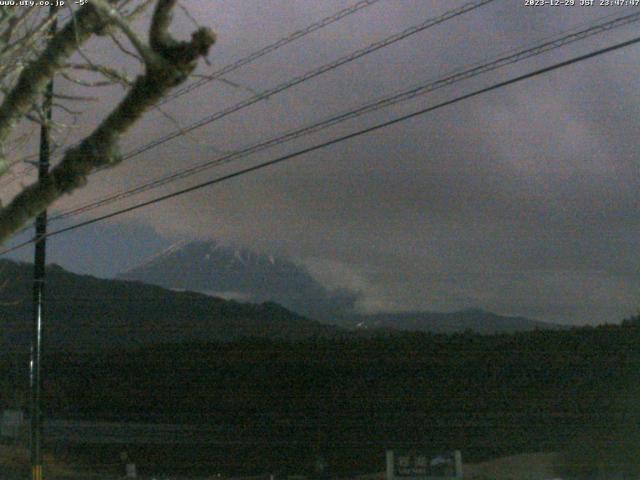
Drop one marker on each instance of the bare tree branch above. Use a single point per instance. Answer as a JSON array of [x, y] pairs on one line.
[[170, 64], [108, 11], [35, 77]]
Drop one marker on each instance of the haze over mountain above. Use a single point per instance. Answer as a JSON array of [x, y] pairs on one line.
[[222, 270], [473, 319]]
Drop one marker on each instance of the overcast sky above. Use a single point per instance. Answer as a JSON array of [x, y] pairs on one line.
[[521, 201]]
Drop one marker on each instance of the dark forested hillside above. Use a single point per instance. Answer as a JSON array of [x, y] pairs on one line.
[[85, 313], [283, 390], [283, 403]]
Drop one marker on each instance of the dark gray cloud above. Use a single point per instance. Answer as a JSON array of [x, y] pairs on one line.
[[523, 201]]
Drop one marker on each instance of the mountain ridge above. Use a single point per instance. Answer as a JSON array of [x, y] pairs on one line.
[[210, 267], [471, 319], [87, 313]]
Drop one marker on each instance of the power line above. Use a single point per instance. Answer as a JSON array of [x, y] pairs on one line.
[[431, 22], [367, 108], [270, 48], [251, 57], [337, 140]]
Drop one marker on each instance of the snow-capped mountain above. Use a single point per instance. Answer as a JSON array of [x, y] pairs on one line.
[[240, 274], [246, 276]]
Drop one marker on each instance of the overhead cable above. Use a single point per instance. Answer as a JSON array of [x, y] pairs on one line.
[[384, 102], [335, 141]]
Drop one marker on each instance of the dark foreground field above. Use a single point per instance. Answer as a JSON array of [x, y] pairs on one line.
[[278, 407]]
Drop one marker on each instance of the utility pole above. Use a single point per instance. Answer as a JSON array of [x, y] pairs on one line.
[[35, 365]]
